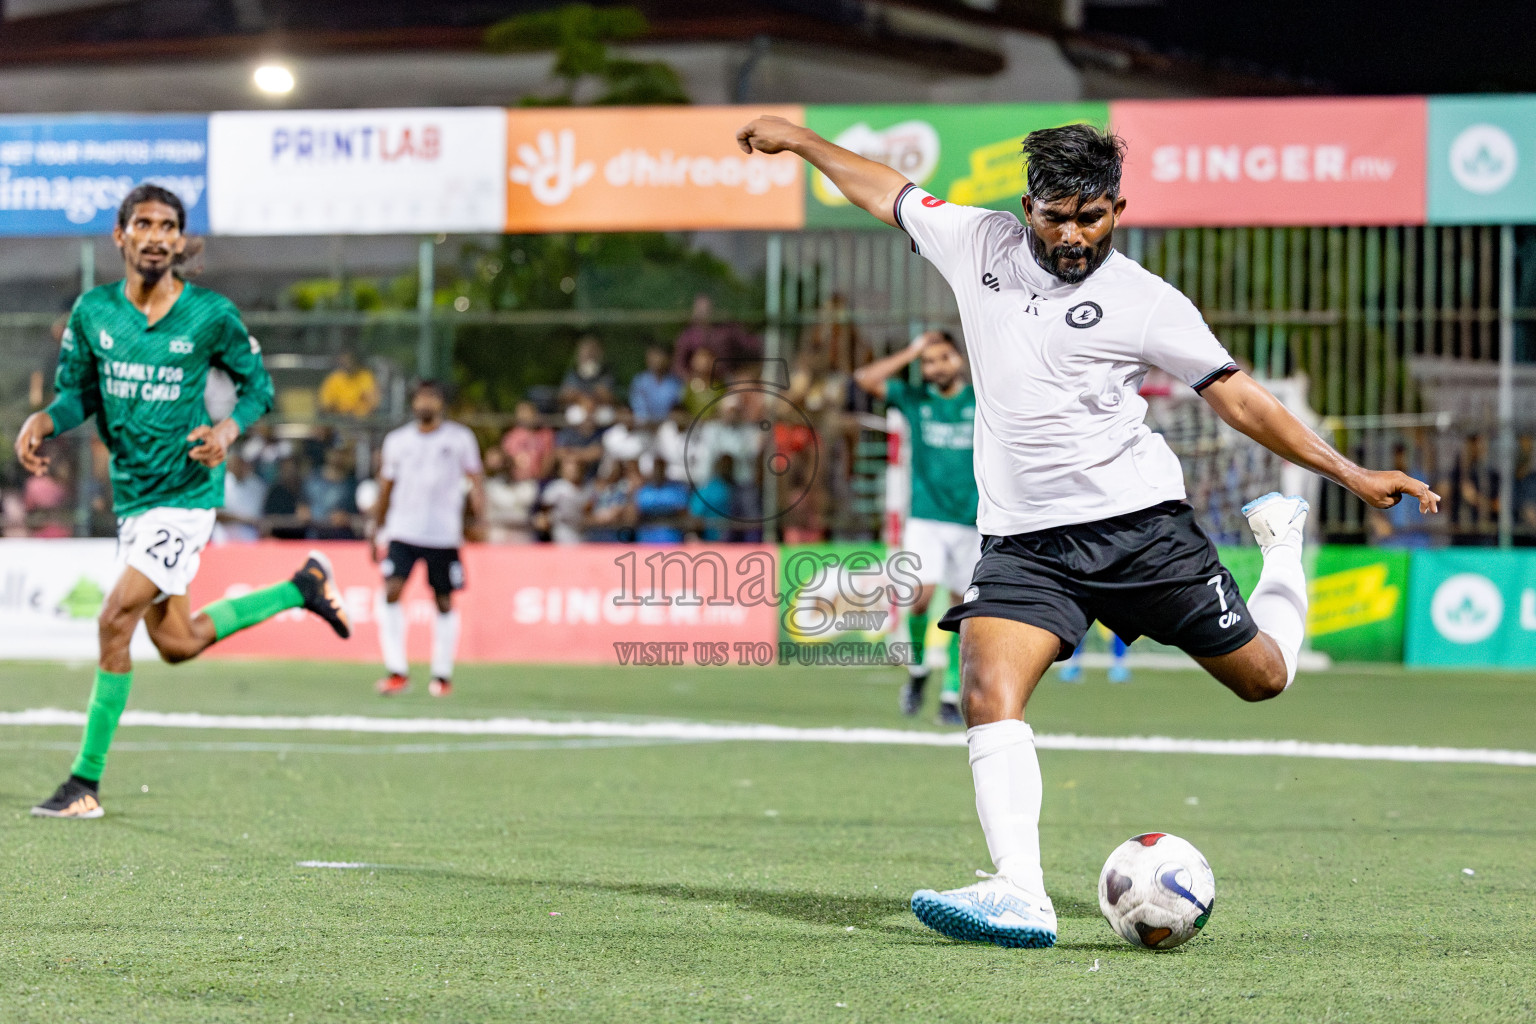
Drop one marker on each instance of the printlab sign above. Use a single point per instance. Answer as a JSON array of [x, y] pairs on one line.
[[67, 175]]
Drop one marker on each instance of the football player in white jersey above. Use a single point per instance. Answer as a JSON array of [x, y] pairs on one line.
[[1082, 508], [419, 516]]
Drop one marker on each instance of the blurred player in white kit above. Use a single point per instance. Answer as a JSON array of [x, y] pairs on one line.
[[419, 516]]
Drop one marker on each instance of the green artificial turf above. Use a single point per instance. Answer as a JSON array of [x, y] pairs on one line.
[[601, 880]]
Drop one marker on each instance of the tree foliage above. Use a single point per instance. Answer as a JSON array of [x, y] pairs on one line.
[[496, 365], [579, 35]]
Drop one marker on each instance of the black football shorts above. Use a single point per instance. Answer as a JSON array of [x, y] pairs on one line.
[[1148, 573], [445, 572]]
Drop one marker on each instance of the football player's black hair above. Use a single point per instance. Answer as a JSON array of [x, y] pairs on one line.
[[1073, 160], [147, 193]]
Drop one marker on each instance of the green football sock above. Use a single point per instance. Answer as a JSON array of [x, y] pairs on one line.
[[951, 693], [233, 614], [917, 626], [109, 696]]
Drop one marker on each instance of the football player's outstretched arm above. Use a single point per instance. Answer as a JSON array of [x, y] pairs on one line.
[[870, 186], [1245, 404]]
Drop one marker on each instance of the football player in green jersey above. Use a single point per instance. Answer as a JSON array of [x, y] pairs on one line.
[[136, 354], [941, 523]]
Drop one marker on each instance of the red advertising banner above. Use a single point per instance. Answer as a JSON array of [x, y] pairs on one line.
[[523, 603], [1273, 161]]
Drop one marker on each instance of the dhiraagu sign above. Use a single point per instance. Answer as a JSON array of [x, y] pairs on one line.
[[968, 155], [1473, 608]]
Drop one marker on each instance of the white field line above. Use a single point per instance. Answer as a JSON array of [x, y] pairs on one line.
[[372, 749], [339, 865], [707, 732]]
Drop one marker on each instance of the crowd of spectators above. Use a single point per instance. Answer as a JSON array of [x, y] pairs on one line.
[[676, 452]]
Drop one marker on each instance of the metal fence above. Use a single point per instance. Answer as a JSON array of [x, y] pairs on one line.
[[1416, 345], [1410, 339]]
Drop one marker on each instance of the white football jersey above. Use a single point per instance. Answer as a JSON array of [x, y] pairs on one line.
[[426, 505], [1060, 436]]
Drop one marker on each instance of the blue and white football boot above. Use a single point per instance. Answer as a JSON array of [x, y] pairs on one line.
[[992, 910], [1275, 518]]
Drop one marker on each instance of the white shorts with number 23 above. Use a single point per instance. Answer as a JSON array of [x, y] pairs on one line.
[[165, 544]]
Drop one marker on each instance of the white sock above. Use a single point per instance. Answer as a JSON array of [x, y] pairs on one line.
[[445, 644], [392, 638], [1279, 603], [1008, 789]]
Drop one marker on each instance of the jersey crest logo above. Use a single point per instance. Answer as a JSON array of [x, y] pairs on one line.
[[181, 346], [105, 339], [932, 201], [990, 280], [1084, 314]]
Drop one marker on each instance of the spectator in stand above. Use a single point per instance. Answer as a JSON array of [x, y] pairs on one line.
[[700, 389], [1402, 525], [264, 451], [1525, 493], [529, 445], [287, 516], [509, 503], [1474, 495], [836, 338], [670, 444], [565, 503], [612, 516], [721, 340], [245, 498], [581, 439], [726, 434], [625, 440], [655, 391], [330, 487], [660, 505], [713, 503], [47, 498], [315, 448], [589, 375], [13, 508], [350, 389]]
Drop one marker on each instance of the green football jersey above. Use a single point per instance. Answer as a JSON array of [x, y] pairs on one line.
[[145, 385], [943, 434]]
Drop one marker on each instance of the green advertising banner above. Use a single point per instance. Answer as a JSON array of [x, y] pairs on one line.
[[1357, 603], [965, 154], [822, 588], [1471, 607], [1482, 160]]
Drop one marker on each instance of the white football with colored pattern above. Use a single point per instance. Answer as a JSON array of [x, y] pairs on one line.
[[1156, 891]]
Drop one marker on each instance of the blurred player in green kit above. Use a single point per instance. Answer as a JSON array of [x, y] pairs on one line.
[[137, 355], [941, 526]]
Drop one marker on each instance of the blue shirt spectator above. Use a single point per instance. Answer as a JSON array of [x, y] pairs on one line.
[[660, 503], [655, 391], [713, 502], [329, 487]]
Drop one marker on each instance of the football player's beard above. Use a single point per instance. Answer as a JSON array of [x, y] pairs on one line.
[[153, 274], [1051, 260]]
